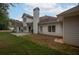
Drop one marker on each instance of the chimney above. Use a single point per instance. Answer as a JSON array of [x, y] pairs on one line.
[[35, 20]]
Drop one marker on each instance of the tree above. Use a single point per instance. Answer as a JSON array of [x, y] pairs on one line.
[[4, 15]]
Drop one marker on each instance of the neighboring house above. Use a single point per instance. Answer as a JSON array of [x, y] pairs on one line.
[[16, 26], [70, 19], [27, 23]]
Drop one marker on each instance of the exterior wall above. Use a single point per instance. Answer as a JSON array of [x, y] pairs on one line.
[[21, 29], [35, 20], [27, 20], [25, 30], [71, 30], [58, 31], [24, 22], [25, 26], [17, 29]]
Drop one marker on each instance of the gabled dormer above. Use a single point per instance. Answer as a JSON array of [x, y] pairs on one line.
[[27, 18]]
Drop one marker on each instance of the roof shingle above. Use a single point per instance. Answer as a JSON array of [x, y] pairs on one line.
[[47, 19]]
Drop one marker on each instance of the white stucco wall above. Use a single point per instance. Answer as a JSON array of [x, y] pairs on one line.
[[17, 29], [58, 31], [35, 20], [29, 20], [24, 22], [24, 25]]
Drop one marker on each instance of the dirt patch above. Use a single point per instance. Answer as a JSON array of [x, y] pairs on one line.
[[3, 44], [49, 41]]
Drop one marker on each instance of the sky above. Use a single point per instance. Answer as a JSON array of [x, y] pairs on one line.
[[50, 9]]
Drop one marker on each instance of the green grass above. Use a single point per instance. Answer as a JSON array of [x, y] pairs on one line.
[[10, 44]]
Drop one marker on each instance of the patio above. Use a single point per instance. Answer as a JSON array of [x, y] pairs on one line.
[[21, 34]]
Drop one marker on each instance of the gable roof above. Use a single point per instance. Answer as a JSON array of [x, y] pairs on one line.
[[74, 9], [27, 15], [47, 19]]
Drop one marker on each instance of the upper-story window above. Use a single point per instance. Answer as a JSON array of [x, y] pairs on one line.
[[51, 28], [24, 19]]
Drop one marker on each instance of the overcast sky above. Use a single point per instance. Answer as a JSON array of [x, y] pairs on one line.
[[51, 9]]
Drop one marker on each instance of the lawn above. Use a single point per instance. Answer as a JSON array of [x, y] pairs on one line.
[[13, 45], [46, 40]]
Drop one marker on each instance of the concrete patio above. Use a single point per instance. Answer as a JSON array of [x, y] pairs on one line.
[[20, 34]]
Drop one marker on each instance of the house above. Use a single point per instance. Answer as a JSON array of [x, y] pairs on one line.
[[66, 24], [50, 26], [16, 26], [27, 23], [44, 25], [70, 19]]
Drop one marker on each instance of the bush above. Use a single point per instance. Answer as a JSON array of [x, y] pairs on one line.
[[3, 27]]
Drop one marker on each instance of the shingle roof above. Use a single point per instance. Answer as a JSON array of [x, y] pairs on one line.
[[47, 19], [43, 19], [70, 10], [16, 23]]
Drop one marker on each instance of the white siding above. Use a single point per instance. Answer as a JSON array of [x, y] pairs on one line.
[[71, 30]]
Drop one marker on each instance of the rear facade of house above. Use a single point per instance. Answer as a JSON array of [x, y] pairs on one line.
[[49, 25], [46, 25], [66, 25]]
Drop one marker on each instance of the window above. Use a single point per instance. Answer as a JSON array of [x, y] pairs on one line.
[[41, 28], [51, 28], [24, 19]]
